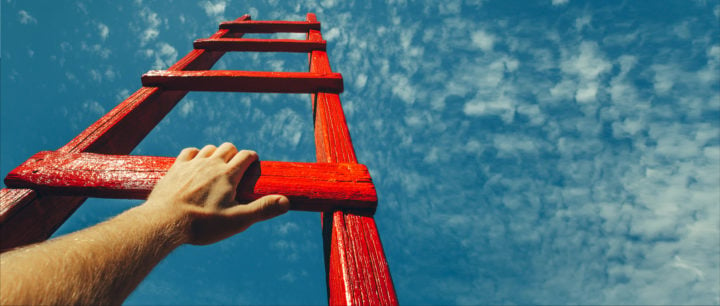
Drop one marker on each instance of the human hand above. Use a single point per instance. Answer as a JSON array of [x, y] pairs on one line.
[[199, 190]]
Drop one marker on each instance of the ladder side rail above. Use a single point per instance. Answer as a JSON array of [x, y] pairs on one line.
[[27, 218], [37, 220], [356, 267], [13, 199]]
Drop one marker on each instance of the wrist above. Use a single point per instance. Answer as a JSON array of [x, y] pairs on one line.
[[170, 224]]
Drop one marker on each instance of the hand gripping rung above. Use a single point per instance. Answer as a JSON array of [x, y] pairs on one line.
[[309, 186], [244, 81], [259, 45], [273, 26]]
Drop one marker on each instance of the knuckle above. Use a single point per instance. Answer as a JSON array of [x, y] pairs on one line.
[[187, 154], [248, 154], [226, 149]]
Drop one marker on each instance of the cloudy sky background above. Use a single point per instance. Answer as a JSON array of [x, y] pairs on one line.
[[524, 152]]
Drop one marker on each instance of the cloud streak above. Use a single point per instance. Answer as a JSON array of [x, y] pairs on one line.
[[26, 18]]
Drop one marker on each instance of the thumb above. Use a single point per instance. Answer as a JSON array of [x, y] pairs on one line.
[[266, 207]]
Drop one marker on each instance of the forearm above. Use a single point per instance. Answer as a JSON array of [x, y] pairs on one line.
[[98, 265], [193, 203]]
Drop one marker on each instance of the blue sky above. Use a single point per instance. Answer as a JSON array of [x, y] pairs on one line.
[[524, 152]]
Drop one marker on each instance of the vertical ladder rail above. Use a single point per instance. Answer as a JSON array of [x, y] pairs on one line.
[[26, 217], [356, 267]]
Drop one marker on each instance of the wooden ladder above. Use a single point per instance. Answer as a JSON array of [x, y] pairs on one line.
[[46, 189]]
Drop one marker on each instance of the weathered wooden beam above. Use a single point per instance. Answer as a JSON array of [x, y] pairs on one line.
[[309, 186], [270, 26], [357, 271], [259, 45], [244, 81], [14, 199]]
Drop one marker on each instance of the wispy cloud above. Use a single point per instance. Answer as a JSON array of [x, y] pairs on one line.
[[214, 10], [151, 25], [96, 49], [483, 40], [567, 158], [104, 31], [26, 18], [164, 55]]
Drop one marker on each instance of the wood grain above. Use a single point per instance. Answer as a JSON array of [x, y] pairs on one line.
[[357, 270], [309, 186], [14, 199]]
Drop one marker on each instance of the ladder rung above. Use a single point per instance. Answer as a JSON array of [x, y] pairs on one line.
[[244, 81], [309, 186], [270, 26], [259, 45]]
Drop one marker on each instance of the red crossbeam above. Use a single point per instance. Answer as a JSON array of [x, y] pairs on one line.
[[244, 81], [269, 26], [258, 45], [309, 186]]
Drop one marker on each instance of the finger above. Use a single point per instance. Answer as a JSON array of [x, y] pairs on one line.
[[225, 151], [261, 209], [206, 151], [187, 154], [240, 162]]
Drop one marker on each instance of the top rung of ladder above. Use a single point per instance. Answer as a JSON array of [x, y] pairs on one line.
[[251, 26]]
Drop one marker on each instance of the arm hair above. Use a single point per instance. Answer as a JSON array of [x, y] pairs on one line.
[[98, 265]]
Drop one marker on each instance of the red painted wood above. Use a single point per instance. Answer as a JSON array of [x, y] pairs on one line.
[[309, 186], [121, 129], [37, 220], [357, 271], [13, 200], [244, 81], [270, 26], [259, 45], [25, 219]]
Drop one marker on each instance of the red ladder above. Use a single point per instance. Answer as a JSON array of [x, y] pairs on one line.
[[46, 189]]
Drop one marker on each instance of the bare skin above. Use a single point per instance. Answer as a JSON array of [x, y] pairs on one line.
[[194, 204]]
